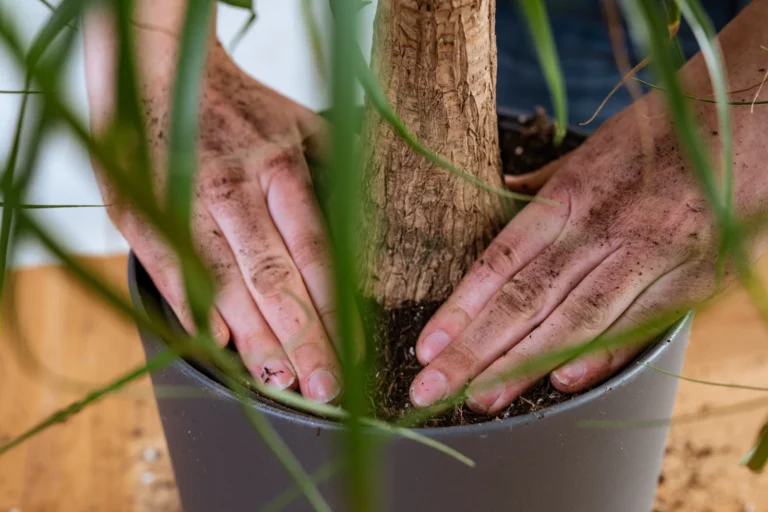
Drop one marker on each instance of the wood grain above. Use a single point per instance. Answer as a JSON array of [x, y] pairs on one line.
[[112, 456]]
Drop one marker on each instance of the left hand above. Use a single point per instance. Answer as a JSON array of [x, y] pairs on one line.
[[626, 244]]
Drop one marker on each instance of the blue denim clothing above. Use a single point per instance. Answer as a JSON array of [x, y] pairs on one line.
[[585, 53]]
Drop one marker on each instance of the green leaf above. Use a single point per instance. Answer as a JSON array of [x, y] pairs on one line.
[[649, 29], [243, 4], [26, 206], [699, 98], [182, 150], [315, 36], [757, 457], [63, 15], [538, 24], [706, 37], [11, 196], [185, 112], [19, 92], [68, 11], [357, 443], [704, 382], [60, 416], [240, 34]]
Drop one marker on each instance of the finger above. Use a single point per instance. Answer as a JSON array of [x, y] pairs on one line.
[[669, 297], [162, 266], [586, 313], [517, 308], [258, 347], [296, 214], [527, 235], [239, 208]]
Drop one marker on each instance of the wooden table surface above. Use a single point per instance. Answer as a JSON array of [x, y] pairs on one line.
[[57, 342]]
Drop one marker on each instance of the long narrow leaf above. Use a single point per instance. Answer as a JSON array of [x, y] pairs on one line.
[[62, 415], [706, 37], [245, 4], [757, 457], [704, 382], [356, 444], [19, 92], [241, 32], [538, 24], [182, 152], [701, 98]]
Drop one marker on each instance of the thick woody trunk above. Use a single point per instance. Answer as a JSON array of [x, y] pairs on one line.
[[436, 61]]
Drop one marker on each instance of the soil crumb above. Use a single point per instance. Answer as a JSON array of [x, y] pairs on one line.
[[393, 340], [527, 142]]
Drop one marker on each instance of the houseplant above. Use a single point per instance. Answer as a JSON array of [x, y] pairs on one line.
[[590, 468], [172, 223]]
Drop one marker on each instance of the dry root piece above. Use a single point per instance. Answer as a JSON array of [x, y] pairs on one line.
[[531, 182]]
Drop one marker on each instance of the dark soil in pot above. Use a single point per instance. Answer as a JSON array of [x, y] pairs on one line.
[[526, 144], [396, 366]]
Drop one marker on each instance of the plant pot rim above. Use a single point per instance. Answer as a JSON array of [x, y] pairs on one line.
[[216, 390]]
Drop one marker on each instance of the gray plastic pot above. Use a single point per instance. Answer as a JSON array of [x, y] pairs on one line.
[[543, 462]]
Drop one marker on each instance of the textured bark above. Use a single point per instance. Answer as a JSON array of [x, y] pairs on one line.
[[436, 61]]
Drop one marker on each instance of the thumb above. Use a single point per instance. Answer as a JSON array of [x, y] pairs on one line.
[[315, 134]]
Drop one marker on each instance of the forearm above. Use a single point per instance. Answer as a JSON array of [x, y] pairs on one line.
[[157, 26]]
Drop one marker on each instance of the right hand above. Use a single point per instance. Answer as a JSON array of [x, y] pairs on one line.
[[258, 225]]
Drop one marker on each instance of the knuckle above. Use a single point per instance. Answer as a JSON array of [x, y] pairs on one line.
[[585, 314], [222, 273], [311, 353], [458, 356], [327, 312], [118, 214], [309, 250], [221, 184], [521, 299], [501, 258], [270, 273], [282, 163], [283, 159]]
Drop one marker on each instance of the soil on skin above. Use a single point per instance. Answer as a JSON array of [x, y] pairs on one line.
[[396, 365], [526, 145]]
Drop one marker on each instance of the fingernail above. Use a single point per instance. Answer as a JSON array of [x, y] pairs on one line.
[[429, 388], [483, 400], [432, 345], [571, 374], [278, 374], [323, 386], [221, 337]]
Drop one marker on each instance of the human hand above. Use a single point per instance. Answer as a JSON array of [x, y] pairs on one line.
[[624, 245], [257, 223]]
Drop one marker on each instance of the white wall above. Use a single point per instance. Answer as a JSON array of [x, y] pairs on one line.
[[276, 51]]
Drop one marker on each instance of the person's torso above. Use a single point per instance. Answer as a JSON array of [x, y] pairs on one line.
[[585, 52]]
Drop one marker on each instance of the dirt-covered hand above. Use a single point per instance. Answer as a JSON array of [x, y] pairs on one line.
[[627, 243], [257, 223]]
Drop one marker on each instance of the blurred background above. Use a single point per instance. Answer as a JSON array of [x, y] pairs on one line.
[[112, 456]]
